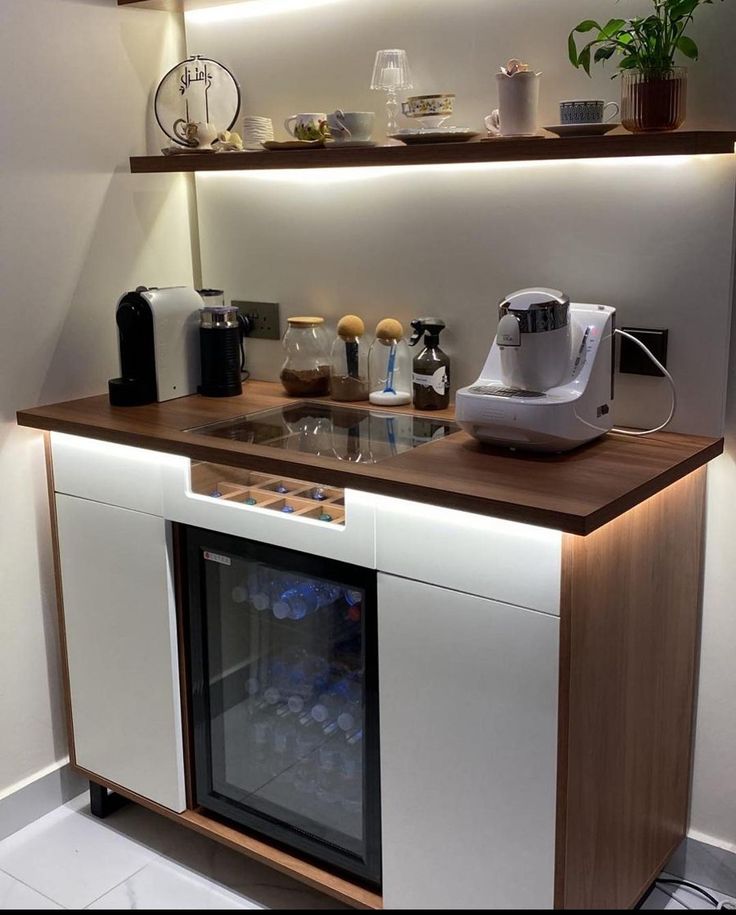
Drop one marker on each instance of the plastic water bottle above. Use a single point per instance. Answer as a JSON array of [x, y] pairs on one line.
[[324, 711], [277, 676], [353, 597], [259, 738], [308, 738], [240, 594], [351, 788], [258, 588], [328, 775], [305, 781], [305, 597], [350, 715], [283, 748]]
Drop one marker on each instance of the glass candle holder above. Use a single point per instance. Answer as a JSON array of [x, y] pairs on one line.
[[391, 74]]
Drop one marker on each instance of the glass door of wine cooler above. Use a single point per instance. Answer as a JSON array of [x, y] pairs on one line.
[[283, 667]]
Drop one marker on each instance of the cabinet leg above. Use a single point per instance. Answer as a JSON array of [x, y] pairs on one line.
[[103, 802]]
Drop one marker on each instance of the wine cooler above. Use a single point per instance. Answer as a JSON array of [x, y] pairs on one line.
[[284, 698]]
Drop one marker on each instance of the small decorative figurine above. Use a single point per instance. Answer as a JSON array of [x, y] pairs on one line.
[[228, 141]]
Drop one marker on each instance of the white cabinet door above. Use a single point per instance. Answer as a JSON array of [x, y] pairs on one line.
[[121, 641], [468, 704]]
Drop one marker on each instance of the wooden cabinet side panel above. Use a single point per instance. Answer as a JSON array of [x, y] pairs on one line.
[[59, 595], [630, 624]]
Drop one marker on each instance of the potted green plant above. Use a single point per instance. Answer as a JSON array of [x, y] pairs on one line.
[[653, 90]]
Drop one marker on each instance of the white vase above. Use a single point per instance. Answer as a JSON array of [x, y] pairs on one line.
[[518, 104]]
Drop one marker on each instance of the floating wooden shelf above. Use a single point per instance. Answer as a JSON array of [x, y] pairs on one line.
[[679, 143], [172, 6]]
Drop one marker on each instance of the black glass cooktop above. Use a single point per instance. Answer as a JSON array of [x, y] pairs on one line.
[[324, 429]]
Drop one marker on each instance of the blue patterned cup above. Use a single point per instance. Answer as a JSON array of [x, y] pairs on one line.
[[586, 111]]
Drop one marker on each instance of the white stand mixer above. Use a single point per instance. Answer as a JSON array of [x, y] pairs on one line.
[[547, 384]]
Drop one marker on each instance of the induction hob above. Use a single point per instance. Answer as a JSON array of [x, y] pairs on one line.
[[342, 433]]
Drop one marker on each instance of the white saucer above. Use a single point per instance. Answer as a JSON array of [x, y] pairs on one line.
[[186, 150], [350, 144], [434, 134], [583, 130]]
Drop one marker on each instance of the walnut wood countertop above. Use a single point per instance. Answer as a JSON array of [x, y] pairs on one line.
[[575, 492]]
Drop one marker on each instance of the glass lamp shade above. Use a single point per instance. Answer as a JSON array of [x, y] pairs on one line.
[[391, 71]]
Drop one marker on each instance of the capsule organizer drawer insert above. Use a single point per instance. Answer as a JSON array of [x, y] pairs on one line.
[[273, 493]]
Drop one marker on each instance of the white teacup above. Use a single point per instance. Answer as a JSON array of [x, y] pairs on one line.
[[349, 126], [196, 134], [587, 111], [307, 126]]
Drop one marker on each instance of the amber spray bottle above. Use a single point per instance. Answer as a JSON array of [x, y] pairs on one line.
[[431, 371]]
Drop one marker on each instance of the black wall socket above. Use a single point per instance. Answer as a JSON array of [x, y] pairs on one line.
[[633, 360], [264, 318]]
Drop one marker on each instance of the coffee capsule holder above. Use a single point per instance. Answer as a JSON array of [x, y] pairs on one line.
[[271, 493]]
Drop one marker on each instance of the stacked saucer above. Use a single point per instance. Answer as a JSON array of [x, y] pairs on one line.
[[256, 131]]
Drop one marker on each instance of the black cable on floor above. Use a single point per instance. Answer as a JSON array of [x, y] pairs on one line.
[[691, 886]]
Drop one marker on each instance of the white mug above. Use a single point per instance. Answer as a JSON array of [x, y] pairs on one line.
[[518, 100], [196, 134], [304, 126]]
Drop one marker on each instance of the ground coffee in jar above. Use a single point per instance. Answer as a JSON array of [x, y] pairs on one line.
[[306, 382], [346, 388]]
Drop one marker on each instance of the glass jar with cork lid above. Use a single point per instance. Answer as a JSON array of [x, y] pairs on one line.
[[349, 359], [389, 365], [306, 371]]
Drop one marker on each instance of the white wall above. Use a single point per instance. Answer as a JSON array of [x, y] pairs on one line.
[[76, 230], [654, 238]]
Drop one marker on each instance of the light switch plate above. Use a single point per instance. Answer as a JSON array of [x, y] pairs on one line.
[[264, 318]]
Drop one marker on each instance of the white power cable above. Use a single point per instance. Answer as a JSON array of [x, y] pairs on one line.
[[672, 896], [667, 375]]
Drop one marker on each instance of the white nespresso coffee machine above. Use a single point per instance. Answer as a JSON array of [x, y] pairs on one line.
[[547, 384], [159, 345]]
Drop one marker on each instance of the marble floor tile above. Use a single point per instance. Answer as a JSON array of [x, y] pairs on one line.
[[705, 864], [71, 857], [16, 895], [227, 868], [163, 885]]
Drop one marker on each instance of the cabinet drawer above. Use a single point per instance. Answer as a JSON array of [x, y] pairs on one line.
[[108, 473], [504, 560]]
